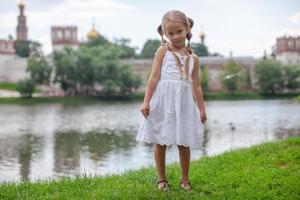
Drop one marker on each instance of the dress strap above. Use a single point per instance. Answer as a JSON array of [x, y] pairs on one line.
[[187, 63]]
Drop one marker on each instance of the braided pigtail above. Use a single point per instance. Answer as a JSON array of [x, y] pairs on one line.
[[187, 66], [189, 34], [161, 33]]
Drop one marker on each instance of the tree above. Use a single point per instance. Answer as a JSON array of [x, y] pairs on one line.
[[25, 88], [127, 51], [22, 48], [232, 76], [150, 48], [200, 49], [98, 41], [270, 76], [86, 71], [204, 79], [128, 81], [78, 72], [35, 48], [115, 77], [39, 69], [292, 77], [64, 63], [26, 48]]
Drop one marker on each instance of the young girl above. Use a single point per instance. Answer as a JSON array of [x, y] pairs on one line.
[[171, 115]]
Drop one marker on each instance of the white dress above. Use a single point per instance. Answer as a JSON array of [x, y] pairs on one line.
[[174, 116]]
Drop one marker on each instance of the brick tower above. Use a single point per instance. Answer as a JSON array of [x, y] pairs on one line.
[[287, 50], [64, 36], [21, 28]]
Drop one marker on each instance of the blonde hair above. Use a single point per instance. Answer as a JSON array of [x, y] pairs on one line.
[[177, 16]]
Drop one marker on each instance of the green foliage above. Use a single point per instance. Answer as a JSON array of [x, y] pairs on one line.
[[28, 48], [265, 171], [123, 44], [200, 49], [129, 81], [126, 50], [233, 76], [25, 87], [39, 69], [22, 48], [8, 86], [150, 48], [298, 98], [270, 76], [204, 79], [35, 48], [64, 64], [292, 77], [79, 71], [98, 41]]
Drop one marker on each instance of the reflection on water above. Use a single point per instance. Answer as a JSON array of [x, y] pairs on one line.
[[41, 141]]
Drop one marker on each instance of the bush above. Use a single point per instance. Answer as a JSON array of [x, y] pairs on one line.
[[233, 77], [25, 88], [292, 77], [270, 76]]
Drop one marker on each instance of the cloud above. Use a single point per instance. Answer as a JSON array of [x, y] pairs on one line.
[[295, 18], [67, 12], [8, 20], [80, 8]]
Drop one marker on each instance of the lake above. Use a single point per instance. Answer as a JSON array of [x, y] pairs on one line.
[[51, 140]]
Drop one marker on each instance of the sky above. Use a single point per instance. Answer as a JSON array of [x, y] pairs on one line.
[[247, 28]]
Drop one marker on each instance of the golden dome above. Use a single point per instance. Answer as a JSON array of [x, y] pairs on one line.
[[202, 34], [93, 33], [21, 3]]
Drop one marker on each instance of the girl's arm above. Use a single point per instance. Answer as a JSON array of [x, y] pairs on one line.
[[197, 89], [153, 79]]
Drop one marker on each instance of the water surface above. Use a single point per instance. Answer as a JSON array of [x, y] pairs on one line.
[[50, 140]]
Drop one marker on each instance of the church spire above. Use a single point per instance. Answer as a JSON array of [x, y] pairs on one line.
[[202, 35], [21, 27]]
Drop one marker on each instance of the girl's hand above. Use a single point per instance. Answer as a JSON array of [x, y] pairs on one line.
[[145, 109], [203, 117]]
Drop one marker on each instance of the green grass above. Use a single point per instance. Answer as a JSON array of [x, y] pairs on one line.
[[137, 97], [8, 86], [297, 98], [235, 96], [38, 100], [266, 171], [245, 96], [13, 87]]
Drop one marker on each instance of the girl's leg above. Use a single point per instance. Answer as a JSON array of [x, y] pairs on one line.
[[184, 155], [160, 159]]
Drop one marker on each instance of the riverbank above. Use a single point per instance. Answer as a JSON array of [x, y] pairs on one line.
[[297, 98], [137, 97], [266, 171]]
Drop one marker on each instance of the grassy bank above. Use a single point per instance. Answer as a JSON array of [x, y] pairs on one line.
[[139, 97], [8, 86], [266, 171], [246, 96], [297, 98], [39, 100]]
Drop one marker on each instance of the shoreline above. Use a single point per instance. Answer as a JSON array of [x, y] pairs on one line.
[[137, 97]]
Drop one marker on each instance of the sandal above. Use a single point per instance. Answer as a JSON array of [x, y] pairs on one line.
[[162, 185], [186, 185]]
